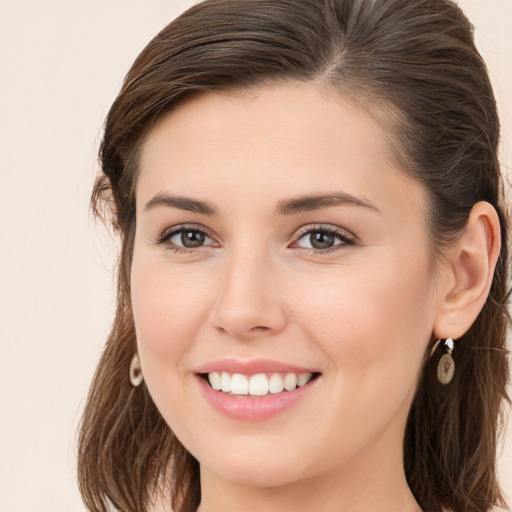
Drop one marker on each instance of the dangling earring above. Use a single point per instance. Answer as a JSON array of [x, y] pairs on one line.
[[446, 365], [136, 376]]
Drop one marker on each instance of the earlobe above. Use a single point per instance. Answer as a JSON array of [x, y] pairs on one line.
[[470, 268]]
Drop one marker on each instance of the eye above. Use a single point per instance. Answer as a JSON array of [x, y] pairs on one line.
[[183, 238], [324, 238], [189, 238]]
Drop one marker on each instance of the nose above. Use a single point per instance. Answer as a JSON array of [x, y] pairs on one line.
[[250, 301]]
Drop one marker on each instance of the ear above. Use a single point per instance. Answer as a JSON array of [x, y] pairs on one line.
[[468, 272]]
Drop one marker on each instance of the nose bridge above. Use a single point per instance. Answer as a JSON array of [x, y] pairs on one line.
[[249, 302]]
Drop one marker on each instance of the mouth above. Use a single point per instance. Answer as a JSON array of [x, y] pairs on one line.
[[257, 389], [259, 384]]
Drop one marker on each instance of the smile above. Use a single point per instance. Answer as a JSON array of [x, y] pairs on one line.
[[260, 384], [255, 390]]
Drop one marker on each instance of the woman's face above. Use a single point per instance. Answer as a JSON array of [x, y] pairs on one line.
[[276, 239]]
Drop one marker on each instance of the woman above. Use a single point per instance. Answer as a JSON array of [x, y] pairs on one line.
[[313, 276]]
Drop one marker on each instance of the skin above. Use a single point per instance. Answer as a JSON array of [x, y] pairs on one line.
[[362, 313]]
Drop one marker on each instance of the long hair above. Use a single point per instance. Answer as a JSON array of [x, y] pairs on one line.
[[414, 66]]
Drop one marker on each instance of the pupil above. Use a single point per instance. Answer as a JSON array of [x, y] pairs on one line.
[[192, 238], [320, 240]]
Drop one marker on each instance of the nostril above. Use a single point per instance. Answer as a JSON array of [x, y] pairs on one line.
[[250, 333], [259, 328]]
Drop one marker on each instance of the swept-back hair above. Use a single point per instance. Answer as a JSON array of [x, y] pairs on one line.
[[414, 66]]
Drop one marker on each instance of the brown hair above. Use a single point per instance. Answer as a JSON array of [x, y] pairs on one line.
[[417, 61]]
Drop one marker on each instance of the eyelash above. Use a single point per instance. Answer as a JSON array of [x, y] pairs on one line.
[[346, 238], [166, 236]]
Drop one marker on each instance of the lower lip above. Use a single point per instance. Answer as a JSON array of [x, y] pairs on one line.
[[246, 408]]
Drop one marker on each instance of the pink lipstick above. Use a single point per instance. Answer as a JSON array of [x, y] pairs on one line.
[[254, 390]]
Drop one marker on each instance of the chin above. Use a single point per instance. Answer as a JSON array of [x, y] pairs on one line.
[[256, 475], [255, 467]]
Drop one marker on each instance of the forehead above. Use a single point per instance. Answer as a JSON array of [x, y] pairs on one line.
[[278, 112], [280, 140]]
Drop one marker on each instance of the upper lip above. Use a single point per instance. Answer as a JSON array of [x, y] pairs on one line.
[[251, 367]]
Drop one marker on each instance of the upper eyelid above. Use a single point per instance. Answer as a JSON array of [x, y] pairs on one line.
[[169, 232], [308, 228]]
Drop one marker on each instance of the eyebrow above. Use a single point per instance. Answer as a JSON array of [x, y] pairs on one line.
[[302, 204], [182, 203], [291, 206]]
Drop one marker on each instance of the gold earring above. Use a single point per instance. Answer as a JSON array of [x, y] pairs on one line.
[[446, 365], [136, 376]]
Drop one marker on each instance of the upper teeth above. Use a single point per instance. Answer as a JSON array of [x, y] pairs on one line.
[[258, 384]]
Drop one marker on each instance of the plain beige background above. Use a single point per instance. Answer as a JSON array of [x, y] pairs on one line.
[[61, 64]]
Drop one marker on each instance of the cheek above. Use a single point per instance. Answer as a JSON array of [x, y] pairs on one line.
[[164, 299], [371, 323], [374, 343], [169, 307]]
